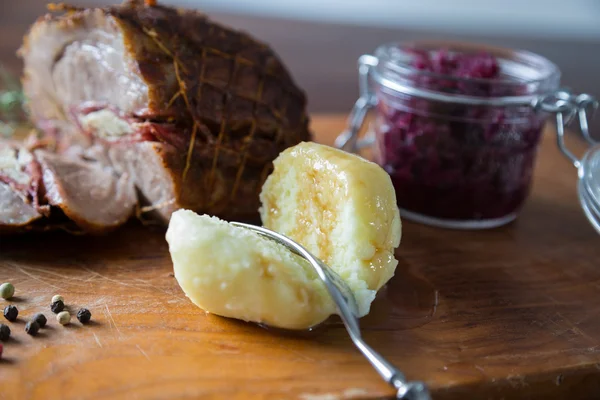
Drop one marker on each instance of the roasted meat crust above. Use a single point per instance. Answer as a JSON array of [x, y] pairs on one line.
[[228, 101]]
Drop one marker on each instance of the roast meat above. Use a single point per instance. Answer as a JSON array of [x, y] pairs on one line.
[[147, 109]]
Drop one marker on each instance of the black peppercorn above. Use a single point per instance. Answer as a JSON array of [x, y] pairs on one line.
[[4, 332], [11, 313], [84, 315], [32, 328], [40, 319], [57, 306]]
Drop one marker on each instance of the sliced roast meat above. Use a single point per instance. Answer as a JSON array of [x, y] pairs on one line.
[[13, 164], [20, 178], [78, 190], [89, 192], [18, 167], [191, 112], [15, 212]]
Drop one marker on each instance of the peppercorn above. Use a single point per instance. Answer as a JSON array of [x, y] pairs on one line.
[[40, 319], [57, 297], [63, 317], [4, 332], [11, 313], [7, 290], [84, 315], [57, 306], [32, 328]]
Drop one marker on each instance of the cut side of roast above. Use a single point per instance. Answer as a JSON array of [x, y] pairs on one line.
[[88, 191], [182, 113], [15, 212], [147, 163], [19, 180]]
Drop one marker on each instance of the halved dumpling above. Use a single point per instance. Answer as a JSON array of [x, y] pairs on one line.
[[339, 206], [236, 273]]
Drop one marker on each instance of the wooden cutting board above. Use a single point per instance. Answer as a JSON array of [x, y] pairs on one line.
[[506, 313]]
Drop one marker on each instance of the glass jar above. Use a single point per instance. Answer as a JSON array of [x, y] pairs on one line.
[[457, 126]]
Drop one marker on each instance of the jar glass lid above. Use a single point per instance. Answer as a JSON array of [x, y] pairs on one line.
[[477, 70]]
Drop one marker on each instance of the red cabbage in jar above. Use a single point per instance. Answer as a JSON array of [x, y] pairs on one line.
[[453, 161]]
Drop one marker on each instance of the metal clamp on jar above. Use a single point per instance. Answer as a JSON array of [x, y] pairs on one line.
[[566, 107], [457, 127]]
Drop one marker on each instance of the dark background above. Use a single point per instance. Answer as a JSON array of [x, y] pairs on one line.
[[322, 56]]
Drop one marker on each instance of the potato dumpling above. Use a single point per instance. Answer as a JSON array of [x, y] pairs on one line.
[[339, 206], [234, 272]]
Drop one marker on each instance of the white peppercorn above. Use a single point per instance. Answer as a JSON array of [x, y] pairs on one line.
[[63, 317], [56, 298]]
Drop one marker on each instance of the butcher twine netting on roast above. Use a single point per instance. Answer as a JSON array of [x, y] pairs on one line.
[[227, 76]]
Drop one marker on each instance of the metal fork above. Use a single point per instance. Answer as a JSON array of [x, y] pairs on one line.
[[348, 311]]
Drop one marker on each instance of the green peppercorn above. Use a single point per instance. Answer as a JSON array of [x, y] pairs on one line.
[[4, 332], [40, 319], [11, 313], [57, 297], [63, 317], [84, 315], [32, 328], [7, 290], [57, 306]]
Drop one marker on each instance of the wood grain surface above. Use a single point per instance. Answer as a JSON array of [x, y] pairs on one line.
[[506, 313]]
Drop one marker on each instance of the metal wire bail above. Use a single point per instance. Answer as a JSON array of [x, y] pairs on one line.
[[348, 140], [565, 106]]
